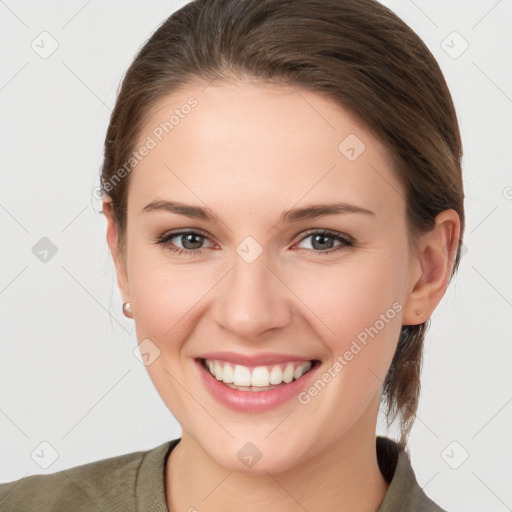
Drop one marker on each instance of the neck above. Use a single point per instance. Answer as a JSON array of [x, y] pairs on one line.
[[344, 477]]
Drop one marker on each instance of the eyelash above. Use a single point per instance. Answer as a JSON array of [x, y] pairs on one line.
[[164, 239]]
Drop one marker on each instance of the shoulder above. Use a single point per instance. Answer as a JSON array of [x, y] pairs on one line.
[[107, 484], [404, 492]]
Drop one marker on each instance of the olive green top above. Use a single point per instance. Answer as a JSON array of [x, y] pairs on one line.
[[136, 482]]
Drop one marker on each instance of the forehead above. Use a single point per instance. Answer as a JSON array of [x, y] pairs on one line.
[[264, 142]]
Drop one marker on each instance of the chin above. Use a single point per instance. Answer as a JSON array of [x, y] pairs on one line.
[[255, 454]]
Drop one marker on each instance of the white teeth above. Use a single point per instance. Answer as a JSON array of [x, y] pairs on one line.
[[276, 375], [260, 377], [288, 373], [217, 370], [301, 370], [242, 376], [228, 374]]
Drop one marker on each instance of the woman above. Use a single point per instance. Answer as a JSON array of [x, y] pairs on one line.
[[284, 207]]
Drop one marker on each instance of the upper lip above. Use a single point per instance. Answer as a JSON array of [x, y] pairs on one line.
[[262, 359]]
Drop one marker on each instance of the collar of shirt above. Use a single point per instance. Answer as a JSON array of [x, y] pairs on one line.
[[404, 493]]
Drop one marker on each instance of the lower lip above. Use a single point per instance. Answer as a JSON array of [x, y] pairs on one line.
[[253, 401]]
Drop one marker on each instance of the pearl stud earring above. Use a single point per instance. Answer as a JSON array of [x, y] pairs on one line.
[[127, 310]]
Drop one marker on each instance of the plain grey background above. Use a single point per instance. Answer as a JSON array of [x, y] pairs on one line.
[[71, 389]]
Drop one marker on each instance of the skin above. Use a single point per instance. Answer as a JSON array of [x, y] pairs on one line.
[[249, 151]]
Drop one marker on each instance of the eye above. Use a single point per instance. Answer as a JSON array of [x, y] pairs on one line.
[[322, 241], [191, 242]]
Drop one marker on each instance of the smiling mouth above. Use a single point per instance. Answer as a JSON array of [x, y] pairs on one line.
[[258, 378]]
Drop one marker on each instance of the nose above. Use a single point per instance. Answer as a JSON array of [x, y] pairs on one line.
[[251, 300]]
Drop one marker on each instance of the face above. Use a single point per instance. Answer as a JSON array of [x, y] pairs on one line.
[[277, 281]]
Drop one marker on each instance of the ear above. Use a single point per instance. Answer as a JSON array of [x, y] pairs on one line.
[[113, 243], [432, 263]]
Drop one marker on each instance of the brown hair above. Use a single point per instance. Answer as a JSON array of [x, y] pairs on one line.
[[357, 52]]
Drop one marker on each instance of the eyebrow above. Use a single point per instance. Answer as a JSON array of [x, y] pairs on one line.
[[289, 216]]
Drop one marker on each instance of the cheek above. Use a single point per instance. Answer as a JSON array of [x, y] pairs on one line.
[[164, 303], [353, 295], [357, 308], [166, 299], [165, 291]]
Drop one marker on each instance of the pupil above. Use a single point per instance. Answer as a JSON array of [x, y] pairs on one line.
[[190, 237], [322, 239]]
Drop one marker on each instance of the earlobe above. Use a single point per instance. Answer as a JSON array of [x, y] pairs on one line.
[[435, 257], [113, 243]]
